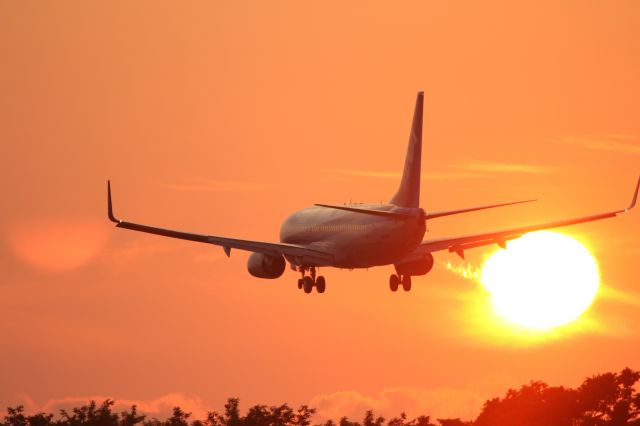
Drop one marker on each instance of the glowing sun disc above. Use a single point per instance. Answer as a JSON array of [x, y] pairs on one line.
[[542, 280]]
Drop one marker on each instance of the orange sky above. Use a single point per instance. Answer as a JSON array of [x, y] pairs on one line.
[[225, 117]]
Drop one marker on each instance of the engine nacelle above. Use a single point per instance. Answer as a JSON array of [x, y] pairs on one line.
[[265, 266], [416, 267]]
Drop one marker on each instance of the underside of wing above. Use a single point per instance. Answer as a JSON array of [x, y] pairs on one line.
[[460, 244], [273, 249]]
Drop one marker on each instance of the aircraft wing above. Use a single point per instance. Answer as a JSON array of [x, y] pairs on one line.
[[274, 249], [460, 244]]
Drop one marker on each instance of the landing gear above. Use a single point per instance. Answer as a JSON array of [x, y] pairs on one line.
[[395, 281], [406, 282], [307, 282]]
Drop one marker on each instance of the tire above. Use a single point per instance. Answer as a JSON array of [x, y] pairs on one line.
[[394, 281], [307, 284], [300, 282], [406, 282], [321, 284]]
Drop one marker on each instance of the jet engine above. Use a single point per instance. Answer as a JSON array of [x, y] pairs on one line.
[[265, 266], [416, 267]]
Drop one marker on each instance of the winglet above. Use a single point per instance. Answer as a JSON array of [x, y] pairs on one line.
[[635, 197], [112, 218]]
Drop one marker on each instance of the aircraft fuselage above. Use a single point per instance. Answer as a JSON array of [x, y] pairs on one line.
[[357, 240]]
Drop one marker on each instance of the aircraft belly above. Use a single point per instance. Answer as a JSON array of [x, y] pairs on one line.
[[366, 255]]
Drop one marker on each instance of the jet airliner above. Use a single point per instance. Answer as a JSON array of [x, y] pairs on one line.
[[363, 235]]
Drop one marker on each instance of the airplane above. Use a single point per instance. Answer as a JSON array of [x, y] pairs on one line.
[[364, 235]]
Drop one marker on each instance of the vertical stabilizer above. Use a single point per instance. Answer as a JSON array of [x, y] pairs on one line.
[[408, 194]]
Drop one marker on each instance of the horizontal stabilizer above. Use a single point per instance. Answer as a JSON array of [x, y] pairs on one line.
[[471, 209], [395, 215]]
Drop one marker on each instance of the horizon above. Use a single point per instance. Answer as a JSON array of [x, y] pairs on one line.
[[608, 398]]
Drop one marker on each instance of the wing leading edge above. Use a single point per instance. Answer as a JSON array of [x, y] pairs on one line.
[[274, 249], [460, 244]]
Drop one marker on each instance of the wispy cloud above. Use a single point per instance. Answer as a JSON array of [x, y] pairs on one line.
[[441, 402], [143, 249], [365, 173], [159, 407], [398, 175], [216, 186], [610, 142], [469, 169], [495, 167]]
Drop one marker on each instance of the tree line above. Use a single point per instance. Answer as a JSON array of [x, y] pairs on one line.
[[608, 399]]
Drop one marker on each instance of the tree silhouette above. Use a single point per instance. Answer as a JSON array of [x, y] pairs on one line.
[[532, 404], [371, 420], [91, 415], [453, 422], [231, 415], [260, 415], [604, 399], [178, 418], [15, 417], [608, 399], [398, 421], [131, 417], [421, 421]]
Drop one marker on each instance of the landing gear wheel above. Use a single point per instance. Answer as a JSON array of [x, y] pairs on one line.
[[406, 282], [300, 282], [307, 284], [320, 284], [394, 282]]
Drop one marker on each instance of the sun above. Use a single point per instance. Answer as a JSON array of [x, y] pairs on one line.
[[542, 280]]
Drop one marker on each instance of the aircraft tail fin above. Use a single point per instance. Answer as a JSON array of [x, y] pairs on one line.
[[408, 194]]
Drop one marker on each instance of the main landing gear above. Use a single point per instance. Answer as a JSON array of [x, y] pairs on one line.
[[307, 282], [395, 281]]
